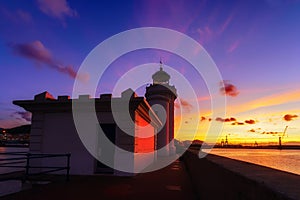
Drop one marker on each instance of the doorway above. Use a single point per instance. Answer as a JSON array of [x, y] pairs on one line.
[[106, 152]]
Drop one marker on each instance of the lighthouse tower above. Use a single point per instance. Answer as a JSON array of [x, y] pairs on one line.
[[161, 96]]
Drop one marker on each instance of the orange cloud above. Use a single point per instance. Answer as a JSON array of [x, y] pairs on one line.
[[270, 133], [229, 89], [250, 121], [203, 118], [289, 117], [231, 119], [185, 105], [237, 123], [271, 100]]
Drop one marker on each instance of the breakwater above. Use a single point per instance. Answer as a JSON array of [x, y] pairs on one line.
[[216, 177]]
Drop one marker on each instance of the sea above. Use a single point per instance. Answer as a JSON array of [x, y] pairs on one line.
[[286, 160], [4, 169]]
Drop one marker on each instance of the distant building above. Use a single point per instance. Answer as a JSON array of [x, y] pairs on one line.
[[53, 129]]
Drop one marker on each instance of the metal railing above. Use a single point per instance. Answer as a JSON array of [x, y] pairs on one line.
[[25, 157]]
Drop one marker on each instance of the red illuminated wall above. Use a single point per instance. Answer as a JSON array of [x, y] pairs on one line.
[[143, 145]]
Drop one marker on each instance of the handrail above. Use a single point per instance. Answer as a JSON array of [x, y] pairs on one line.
[[26, 157], [14, 153]]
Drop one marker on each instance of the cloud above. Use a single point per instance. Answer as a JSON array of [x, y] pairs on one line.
[[185, 105], [219, 119], [209, 31], [18, 16], [24, 16], [228, 89], [56, 8], [267, 101], [35, 51], [250, 121], [237, 123], [38, 53], [202, 118], [289, 117], [226, 23], [233, 46], [270, 133], [205, 33], [179, 12], [231, 119], [23, 115], [274, 133]]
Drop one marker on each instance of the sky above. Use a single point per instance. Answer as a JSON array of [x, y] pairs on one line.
[[255, 45]]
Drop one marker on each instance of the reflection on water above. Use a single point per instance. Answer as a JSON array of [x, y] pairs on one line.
[[285, 160], [10, 149]]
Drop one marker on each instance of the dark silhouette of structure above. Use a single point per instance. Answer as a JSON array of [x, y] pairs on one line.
[[160, 94], [226, 141], [53, 129], [280, 137]]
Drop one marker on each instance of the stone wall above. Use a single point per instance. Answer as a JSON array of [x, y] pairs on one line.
[[212, 181]]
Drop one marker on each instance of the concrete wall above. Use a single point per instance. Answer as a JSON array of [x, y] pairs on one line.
[[145, 143], [59, 129], [163, 134], [140, 149], [56, 133], [53, 132], [212, 181]]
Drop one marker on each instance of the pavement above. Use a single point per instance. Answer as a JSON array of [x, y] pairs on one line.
[[171, 182]]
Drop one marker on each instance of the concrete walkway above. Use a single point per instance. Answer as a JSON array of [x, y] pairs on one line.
[[282, 182], [171, 182], [212, 177]]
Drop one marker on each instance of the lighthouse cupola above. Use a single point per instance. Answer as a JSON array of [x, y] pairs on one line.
[[161, 77]]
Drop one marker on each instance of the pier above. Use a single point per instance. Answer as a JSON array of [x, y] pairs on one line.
[[212, 177]]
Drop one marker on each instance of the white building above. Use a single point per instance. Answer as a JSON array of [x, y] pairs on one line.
[[53, 129]]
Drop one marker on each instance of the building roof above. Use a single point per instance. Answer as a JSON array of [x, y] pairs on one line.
[[45, 102], [160, 76]]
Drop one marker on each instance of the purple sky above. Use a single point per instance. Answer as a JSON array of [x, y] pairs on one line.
[[255, 45]]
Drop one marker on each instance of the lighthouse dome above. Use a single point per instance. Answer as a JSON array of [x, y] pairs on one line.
[[161, 77]]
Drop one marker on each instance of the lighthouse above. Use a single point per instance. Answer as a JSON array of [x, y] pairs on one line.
[[161, 96]]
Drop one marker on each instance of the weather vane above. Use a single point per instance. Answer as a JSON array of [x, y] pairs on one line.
[[160, 63]]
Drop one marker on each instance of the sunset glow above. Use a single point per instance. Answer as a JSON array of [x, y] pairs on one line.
[[255, 45]]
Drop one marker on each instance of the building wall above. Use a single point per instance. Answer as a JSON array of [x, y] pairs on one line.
[[163, 134], [139, 151], [58, 135], [59, 129], [53, 132], [143, 128], [145, 153]]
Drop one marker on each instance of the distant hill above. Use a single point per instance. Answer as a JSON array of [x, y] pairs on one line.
[[18, 130]]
